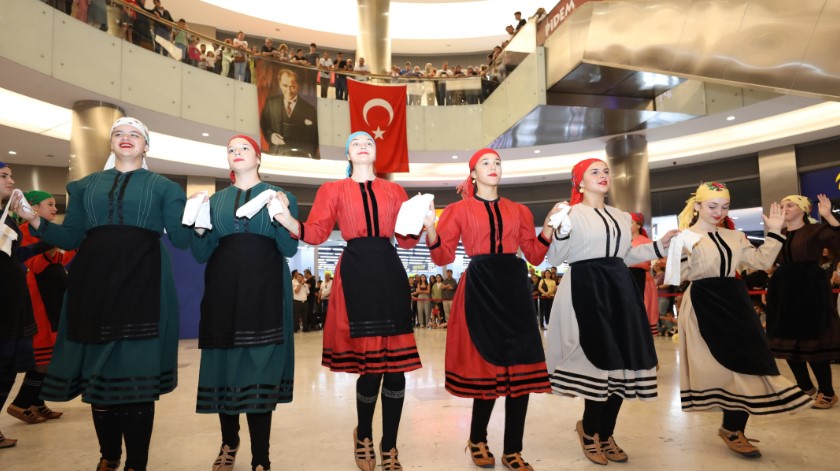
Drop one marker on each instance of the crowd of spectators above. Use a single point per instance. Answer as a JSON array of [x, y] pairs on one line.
[[235, 58]]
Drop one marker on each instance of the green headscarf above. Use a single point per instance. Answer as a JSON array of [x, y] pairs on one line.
[[36, 196]]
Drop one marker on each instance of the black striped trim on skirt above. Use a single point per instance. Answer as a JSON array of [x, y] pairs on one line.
[[109, 390], [375, 361], [786, 400], [252, 398], [597, 389]]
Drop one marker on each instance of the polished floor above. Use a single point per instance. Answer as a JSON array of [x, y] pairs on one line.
[[314, 431]]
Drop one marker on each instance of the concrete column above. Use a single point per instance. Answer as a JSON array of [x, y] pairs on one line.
[[374, 39], [777, 174], [628, 161], [196, 184], [90, 139]]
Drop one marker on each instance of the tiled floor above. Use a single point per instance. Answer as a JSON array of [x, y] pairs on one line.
[[314, 431]]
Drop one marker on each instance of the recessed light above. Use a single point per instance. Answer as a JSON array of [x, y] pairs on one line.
[[730, 118], [733, 217], [11, 152], [294, 150], [454, 156], [536, 151], [205, 134]]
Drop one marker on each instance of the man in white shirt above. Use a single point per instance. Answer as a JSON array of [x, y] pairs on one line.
[[300, 290], [326, 290], [325, 67]]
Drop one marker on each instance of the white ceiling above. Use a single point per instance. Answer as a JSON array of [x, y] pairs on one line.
[[417, 26]]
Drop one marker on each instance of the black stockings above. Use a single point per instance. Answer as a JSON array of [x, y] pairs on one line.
[[515, 410], [130, 422], [822, 371], [600, 416], [393, 396], [259, 428]]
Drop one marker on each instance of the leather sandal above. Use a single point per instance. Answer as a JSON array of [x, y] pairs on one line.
[[7, 442], [823, 402], [612, 451], [48, 413], [737, 442], [29, 415], [390, 460], [515, 462], [105, 465], [480, 454], [226, 458], [592, 451], [363, 452]]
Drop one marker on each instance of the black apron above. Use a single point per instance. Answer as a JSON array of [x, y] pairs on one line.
[[611, 316], [16, 319], [639, 276], [113, 287], [730, 327], [376, 291], [500, 311], [799, 304], [52, 283], [243, 293]]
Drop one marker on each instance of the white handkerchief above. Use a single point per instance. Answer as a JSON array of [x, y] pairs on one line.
[[556, 219], [192, 208], [412, 213], [686, 239], [249, 209], [275, 207], [203, 219], [7, 235], [24, 205]]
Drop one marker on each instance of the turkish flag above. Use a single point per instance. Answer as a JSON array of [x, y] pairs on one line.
[[379, 110]]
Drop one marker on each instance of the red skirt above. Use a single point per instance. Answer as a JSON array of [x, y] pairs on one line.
[[469, 375], [391, 354], [651, 298], [44, 340]]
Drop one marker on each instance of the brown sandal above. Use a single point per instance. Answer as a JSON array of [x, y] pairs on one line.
[[480, 454], [737, 442], [29, 415], [105, 465], [515, 462], [226, 458], [823, 402], [390, 460], [7, 442], [612, 451], [364, 454], [48, 413], [592, 451]]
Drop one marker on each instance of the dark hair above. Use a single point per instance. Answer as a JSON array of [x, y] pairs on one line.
[[313, 45], [805, 218]]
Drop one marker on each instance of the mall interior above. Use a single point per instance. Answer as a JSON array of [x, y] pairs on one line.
[[671, 93]]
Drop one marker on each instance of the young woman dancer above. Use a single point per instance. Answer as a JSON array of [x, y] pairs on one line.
[[599, 342], [802, 323], [46, 278], [641, 273], [369, 329], [245, 333], [493, 347], [116, 313], [726, 361]]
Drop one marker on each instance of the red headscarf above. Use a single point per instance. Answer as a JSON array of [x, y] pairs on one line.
[[577, 177], [467, 189], [639, 219], [253, 144]]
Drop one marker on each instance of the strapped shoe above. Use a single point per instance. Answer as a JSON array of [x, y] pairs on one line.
[[6, 442], [515, 462], [105, 465], [737, 442], [612, 451], [363, 452], [29, 415], [226, 458], [591, 450], [480, 454], [823, 402], [390, 460], [48, 413]]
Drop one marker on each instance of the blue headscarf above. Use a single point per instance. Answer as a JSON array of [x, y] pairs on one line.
[[3, 165], [347, 146]]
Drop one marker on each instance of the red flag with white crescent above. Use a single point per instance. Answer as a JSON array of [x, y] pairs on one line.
[[379, 110]]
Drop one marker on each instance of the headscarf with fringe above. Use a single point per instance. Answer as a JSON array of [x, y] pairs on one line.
[[467, 189], [706, 191]]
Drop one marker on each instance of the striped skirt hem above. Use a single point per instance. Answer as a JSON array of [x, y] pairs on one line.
[[566, 383], [787, 400], [116, 390], [506, 383], [253, 398], [374, 362]]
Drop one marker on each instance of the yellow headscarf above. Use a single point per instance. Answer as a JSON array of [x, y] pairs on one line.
[[802, 201], [706, 191]]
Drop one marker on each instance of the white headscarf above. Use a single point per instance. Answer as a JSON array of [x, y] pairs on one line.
[[136, 124]]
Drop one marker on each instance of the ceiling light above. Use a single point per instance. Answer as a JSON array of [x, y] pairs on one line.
[[454, 156], [733, 217], [536, 151], [730, 118], [11, 152], [205, 134]]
